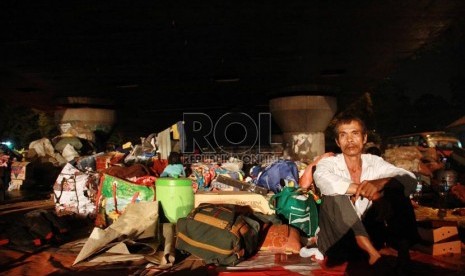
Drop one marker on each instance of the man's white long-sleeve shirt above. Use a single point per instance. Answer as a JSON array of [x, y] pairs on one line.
[[332, 176]]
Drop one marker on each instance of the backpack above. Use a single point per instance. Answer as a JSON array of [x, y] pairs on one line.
[[220, 234], [277, 172]]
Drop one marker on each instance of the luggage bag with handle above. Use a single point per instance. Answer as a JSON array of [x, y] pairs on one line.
[[220, 234]]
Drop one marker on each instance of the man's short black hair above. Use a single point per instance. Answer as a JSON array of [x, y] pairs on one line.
[[346, 119]]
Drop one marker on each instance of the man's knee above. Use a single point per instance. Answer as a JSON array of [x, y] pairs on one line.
[[394, 186]]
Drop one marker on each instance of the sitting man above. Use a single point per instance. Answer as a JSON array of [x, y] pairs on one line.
[[365, 201]]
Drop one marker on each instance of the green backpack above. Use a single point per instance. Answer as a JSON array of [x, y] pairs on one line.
[[297, 208], [220, 234]]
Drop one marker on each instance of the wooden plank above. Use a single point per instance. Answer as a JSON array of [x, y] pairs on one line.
[[257, 202], [242, 186], [23, 206]]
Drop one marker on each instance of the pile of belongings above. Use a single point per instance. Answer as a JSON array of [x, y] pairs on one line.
[[415, 159]]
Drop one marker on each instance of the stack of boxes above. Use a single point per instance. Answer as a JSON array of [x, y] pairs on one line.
[[440, 237]]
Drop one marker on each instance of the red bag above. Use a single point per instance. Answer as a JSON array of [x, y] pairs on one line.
[[159, 165]]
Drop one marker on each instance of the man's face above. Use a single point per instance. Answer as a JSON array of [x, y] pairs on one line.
[[350, 138]]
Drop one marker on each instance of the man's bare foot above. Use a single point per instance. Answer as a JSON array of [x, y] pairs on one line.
[[373, 258]]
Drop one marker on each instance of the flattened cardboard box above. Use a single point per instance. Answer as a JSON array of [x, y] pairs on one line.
[[258, 203]]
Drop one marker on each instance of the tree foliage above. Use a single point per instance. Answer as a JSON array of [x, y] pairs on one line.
[[22, 125]]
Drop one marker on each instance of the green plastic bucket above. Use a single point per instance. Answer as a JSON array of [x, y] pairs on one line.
[[176, 197]]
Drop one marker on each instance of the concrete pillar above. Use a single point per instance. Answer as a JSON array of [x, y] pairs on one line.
[[303, 120], [84, 121]]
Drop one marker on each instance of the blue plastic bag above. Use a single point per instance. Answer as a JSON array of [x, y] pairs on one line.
[[281, 171]]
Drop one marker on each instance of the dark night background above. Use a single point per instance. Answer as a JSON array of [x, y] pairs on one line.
[[401, 66]]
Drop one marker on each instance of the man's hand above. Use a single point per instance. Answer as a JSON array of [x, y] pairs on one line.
[[318, 158], [370, 189], [306, 181]]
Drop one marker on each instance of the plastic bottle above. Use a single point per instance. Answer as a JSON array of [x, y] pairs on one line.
[[443, 190], [444, 187], [418, 191]]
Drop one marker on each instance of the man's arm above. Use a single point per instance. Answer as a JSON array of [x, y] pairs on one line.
[[329, 179], [388, 170], [306, 181], [371, 188]]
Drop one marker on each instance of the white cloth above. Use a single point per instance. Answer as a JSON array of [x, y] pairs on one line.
[[164, 143], [308, 252], [332, 176]]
